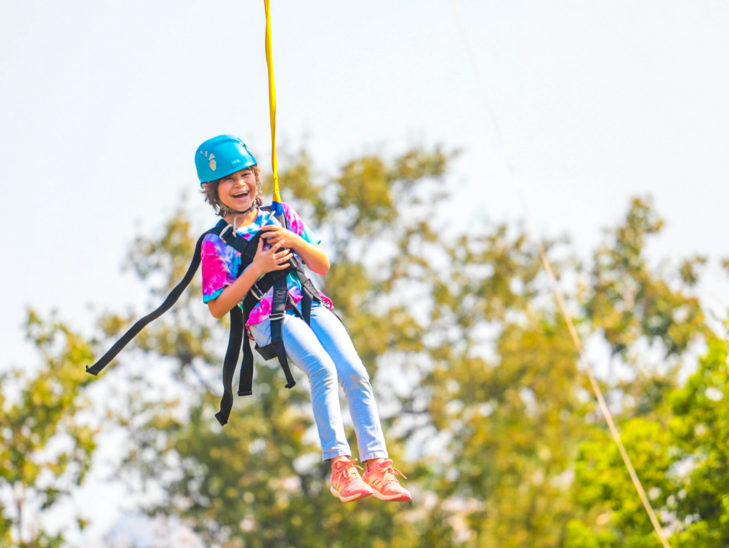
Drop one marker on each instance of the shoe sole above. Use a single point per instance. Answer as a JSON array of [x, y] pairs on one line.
[[350, 498], [400, 497]]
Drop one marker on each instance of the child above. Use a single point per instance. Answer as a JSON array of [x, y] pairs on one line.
[[230, 178]]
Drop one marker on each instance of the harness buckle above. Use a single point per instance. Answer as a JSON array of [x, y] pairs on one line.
[[276, 316], [227, 231], [257, 293]]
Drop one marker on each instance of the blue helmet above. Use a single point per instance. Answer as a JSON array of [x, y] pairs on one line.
[[221, 156]]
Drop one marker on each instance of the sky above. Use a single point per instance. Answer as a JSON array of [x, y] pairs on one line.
[[574, 106]]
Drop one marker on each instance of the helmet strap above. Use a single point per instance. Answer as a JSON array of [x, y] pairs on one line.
[[225, 210]]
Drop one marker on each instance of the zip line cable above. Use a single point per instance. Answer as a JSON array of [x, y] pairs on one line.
[[615, 434]]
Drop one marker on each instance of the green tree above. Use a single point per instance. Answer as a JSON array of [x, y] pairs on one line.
[[700, 427], [651, 322], [628, 300], [474, 371], [47, 447], [681, 457], [417, 294]]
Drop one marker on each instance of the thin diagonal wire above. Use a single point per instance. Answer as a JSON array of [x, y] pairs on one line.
[[561, 302]]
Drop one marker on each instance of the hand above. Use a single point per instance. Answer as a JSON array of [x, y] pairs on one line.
[[274, 258], [274, 234]]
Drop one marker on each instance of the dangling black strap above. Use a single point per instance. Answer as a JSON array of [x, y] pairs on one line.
[[238, 317], [164, 307], [245, 385], [231, 359]]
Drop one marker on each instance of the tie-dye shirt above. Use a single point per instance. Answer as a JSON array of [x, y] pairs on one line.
[[220, 262]]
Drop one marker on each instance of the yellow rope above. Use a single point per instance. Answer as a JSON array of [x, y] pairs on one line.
[[547, 266], [271, 101], [560, 301]]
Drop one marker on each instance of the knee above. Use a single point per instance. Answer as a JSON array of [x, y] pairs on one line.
[[354, 377], [322, 373]]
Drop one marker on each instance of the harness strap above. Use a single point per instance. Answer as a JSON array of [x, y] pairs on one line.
[[278, 310], [238, 317], [269, 351], [245, 385], [164, 307], [309, 292], [231, 359]]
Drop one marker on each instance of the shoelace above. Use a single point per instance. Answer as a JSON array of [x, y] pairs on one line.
[[347, 470], [389, 472]]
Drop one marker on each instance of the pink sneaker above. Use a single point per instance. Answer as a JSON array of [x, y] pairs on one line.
[[347, 485], [381, 476]]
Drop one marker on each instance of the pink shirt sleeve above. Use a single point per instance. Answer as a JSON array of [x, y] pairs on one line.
[[216, 268]]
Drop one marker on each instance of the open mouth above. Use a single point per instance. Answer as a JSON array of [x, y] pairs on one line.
[[242, 194]]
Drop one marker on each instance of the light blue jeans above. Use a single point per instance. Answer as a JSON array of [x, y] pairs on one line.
[[324, 351]]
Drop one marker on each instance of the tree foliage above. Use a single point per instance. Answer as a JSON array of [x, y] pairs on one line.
[[47, 445], [475, 373], [480, 388], [484, 404]]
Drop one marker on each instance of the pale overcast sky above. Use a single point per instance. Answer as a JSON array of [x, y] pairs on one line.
[[104, 104]]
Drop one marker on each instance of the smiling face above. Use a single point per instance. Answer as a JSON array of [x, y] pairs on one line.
[[228, 195], [238, 190]]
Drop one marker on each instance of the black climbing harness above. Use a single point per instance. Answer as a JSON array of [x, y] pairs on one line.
[[238, 315]]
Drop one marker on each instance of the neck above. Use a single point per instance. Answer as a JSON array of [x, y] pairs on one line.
[[242, 218]]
